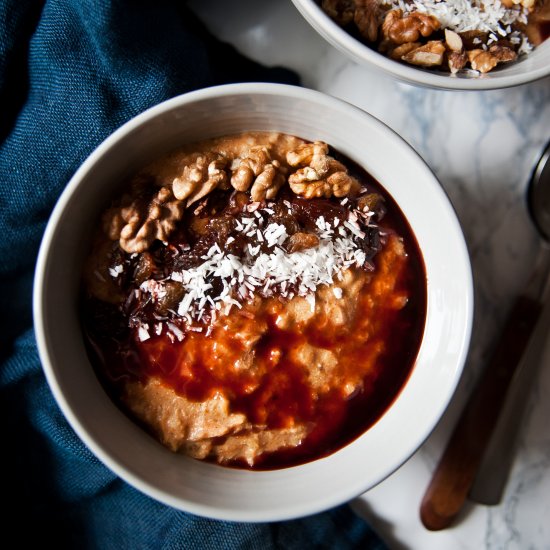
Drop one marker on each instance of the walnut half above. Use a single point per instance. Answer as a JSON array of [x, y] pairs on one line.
[[485, 60], [200, 177], [320, 174], [399, 29], [142, 222], [429, 55], [257, 168]]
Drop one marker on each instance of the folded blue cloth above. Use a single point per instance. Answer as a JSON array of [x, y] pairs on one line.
[[71, 72]]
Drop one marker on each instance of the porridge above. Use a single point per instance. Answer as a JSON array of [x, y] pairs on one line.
[[456, 36], [254, 300]]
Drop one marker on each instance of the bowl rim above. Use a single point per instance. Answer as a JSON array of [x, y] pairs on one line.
[[362, 54], [113, 463]]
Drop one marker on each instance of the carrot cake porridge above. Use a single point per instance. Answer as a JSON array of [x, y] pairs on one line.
[[255, 300]]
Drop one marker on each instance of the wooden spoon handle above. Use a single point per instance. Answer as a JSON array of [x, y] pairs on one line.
[[457, 468]]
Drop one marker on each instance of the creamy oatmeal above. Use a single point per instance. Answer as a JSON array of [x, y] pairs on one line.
[[457, 36], [254, 300]]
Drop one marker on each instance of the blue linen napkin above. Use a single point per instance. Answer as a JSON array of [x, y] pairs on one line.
[[71, 72]]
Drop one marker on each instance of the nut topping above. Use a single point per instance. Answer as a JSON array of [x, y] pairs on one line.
[[483, 61], [268, 183], [453, 41], [321, 175], [456, 55], [265, 175], [457, 61], [399, 28], [446, 34], [429, 55], [256, 173], [138, 224], [503, 54], [399, 51], [366, 18], [339, 10], [249, 167], [308, 153], [199, 178]]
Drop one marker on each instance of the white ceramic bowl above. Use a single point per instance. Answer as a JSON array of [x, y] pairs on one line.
[[208, 489], [533, 67]]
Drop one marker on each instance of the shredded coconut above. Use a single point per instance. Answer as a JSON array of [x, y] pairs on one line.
[[143, 332], [489, 16], [265, 268], [115, 271]]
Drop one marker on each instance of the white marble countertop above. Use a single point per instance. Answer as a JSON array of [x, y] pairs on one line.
[[482, 146]]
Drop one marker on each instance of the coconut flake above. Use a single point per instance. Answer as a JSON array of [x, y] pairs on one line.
[[266, 268], [115, 271], [143, 332], [466, 15]]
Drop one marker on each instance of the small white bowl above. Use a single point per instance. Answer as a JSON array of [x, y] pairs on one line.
[[532, 67], [216, 491]]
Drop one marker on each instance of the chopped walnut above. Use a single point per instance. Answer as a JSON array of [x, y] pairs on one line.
[[258, 169], [268, 182], [366, 17], [457, 61], [342, 184], [456, 55], [308, 153], [429, 55], [321, 175], [249, 167], [399, 28], [307, 183], [199, 178], [138, 224], [503, 54], [339, 10], [301, 241], [310, 187], [483, 61], [403, 49]]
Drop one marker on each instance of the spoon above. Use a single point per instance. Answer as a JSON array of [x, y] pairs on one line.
[[456, 471]]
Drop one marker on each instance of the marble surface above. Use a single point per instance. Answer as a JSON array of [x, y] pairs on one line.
[[482, 146]]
